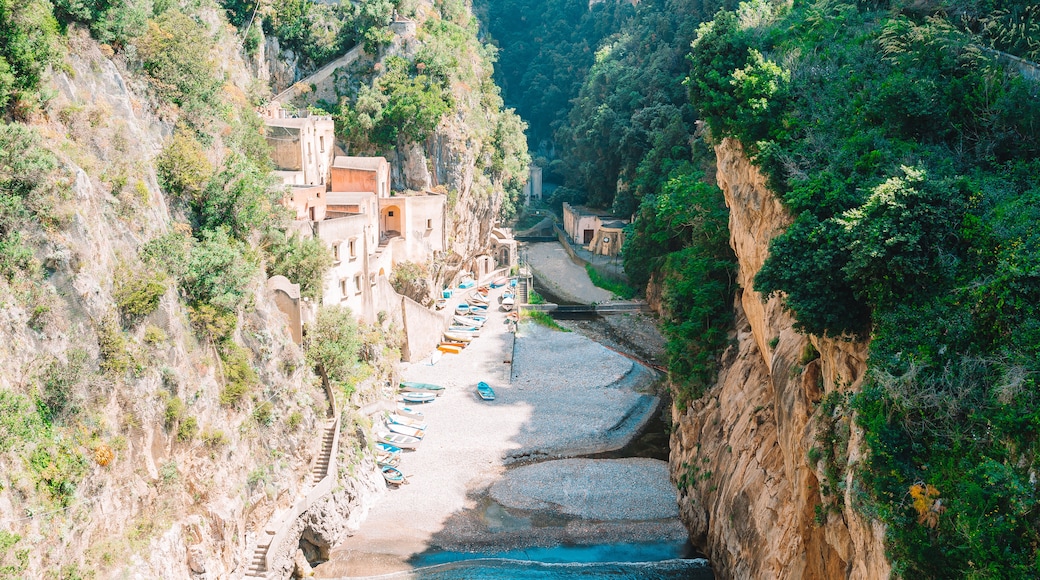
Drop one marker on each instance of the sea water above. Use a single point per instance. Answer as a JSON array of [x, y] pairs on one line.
[[634, 561]]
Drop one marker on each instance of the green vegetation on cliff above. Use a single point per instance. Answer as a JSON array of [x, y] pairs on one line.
[[620, 123], [905, 146]]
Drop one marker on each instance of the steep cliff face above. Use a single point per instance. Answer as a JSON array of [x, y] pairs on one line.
[[170, 481], [765, 460]]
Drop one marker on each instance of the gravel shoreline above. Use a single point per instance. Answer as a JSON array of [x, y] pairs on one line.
[[559, 395]]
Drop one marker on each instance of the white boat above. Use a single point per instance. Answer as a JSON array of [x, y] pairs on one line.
[[399, 440], [508, 302], [418, 397], [385, 458], [406, 430], [468, 320], [471, 330], [406, 411], [458, 336], [407, 421]]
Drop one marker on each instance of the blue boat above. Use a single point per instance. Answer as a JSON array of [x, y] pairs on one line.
[[392, 449], [392, 475], [485, 391]]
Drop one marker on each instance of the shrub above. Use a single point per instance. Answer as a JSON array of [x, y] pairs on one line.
[[263, 414], [62, 385], [174, 411], [29, 44], [218, 272], [293, 420], [187, 429], [116, 358], [303, 261], [215, 324], [175, 53], [137, 293], [182, 167], [238, 373], [154, 335], [215, 438]]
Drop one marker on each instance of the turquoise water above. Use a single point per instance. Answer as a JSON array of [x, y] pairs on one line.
[[498, 569], [642, 561]]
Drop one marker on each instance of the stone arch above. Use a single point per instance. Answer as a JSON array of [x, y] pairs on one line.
[[391, 219]]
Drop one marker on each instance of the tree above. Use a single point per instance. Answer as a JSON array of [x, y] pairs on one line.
[[333, 343]]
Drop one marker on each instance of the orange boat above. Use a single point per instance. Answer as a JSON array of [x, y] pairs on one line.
[[450, 348]]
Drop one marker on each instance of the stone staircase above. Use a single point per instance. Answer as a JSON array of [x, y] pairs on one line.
[[321, 468], [522, 291], [257, 565]]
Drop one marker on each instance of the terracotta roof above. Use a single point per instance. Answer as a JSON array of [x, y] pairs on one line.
[[363, 163]]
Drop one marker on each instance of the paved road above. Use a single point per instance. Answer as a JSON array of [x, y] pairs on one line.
[[566, 279]]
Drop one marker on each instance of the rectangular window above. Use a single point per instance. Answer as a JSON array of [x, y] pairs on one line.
[[343, 288], [429, 224], [321, 143], [335, 252], [352, 247], [357, 284]]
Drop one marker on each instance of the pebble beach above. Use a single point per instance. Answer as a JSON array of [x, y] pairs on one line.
[[506, 474]]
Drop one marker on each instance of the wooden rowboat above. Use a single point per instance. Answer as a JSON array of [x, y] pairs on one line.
[[406, 430], [468, 320], [449, 347], [387, 448], [392, 475], [417, 398], [388, 459], [413, 387], [485, 391], [406, 411], [399, 440], [406, 421], [458, 337]]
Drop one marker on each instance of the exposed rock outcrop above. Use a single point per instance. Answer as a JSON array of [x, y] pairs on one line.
[[765, 460]]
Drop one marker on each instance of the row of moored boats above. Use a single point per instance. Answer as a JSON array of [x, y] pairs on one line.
[[404, 428]]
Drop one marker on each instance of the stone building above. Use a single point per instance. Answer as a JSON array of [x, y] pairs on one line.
[[302, 145], [599, 233]]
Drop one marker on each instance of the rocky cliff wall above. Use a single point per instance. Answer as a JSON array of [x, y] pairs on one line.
[[170, 501], [764, 461]]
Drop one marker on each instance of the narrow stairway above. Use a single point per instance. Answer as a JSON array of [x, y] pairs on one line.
[[321, 468], [521, 292], [257, 567]]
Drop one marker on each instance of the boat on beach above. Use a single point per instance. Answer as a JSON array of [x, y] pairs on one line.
[[468, 320], [413, 387], [406, 411], [458, 337], [485, 391], [392, 475], [462, 308], [450, 347], [399, 440], [413, 397], [387, 448], [407, 421], [472, 330], [384, 458], [508, 301], [406, 430], [499, 282]]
